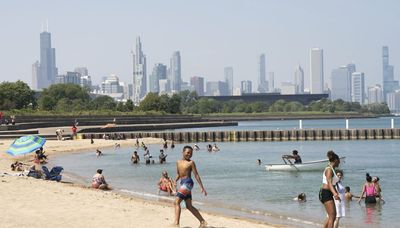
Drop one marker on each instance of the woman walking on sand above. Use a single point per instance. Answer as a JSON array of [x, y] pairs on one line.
[[328, 193]]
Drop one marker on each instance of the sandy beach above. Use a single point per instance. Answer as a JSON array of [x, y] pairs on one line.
[[28, 202]]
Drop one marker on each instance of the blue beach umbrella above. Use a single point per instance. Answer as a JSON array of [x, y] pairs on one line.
[[25, 145]]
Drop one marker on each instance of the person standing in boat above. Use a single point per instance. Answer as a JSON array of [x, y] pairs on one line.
[[295, 155]]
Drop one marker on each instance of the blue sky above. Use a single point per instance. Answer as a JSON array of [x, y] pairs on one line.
[[210, 35]]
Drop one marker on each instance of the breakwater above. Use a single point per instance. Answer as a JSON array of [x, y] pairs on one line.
[[251, 136]]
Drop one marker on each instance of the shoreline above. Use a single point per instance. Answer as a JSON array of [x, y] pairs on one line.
[[76, 197]]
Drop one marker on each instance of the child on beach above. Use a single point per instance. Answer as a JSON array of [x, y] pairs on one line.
[[184, 168]]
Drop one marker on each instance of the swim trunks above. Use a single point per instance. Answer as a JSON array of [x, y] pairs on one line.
[[185, 190], [325, 195]]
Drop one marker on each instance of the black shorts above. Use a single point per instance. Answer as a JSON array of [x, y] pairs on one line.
[[325, 195], [370, 199]]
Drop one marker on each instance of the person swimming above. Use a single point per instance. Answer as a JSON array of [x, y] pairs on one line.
[[301, 198], [98, 153]]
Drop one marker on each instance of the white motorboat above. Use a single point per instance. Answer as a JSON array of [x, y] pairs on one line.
[[317, 165]]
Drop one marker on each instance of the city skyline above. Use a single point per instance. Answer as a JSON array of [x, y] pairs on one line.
[[104, 48]]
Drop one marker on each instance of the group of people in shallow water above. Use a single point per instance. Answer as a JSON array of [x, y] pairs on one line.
[[333, 194], [185, 167]]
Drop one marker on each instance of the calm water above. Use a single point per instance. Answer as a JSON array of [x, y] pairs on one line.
[[236, 185], [383, 122]]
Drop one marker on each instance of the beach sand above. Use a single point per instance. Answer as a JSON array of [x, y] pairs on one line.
[[28, 202]]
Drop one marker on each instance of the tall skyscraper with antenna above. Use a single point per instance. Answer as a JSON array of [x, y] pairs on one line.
[[47, 73], [139, 73]]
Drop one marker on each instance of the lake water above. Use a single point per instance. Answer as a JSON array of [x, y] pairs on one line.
[[237, 185], [383, 122]]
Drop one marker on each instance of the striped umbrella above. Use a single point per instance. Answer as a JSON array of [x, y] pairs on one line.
[[25, 145]]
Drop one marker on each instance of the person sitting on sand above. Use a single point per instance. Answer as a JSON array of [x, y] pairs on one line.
[[295, 155], [215, 148], [99, 181], [166, 184], [162, 157], [98, 152], [17, 166], [184, 168], [135, 158], [301, 198]]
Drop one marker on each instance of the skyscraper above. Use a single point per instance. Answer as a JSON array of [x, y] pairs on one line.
[[35, 75], [299, 80], [389, 84], [246, 86], [198, 84], [341, 83], [358, 87], [228, 74], [271, 82], [83, 71], [47, 70], [139, 73], [159, 72], [317, 70], [375, 94], [217, 88], [262, 81], [175, 72]]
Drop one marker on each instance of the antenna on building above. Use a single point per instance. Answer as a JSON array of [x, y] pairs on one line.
[[47, 25]]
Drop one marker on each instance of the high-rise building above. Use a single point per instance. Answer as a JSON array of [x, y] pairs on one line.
[[47, 70], [393, 101], [35, 75], [164, 86], [218, 88], [139, 73], [112, 85], [175, 72], [316, 70], [358, 87], [198, 84], [375, 94], [288, 88], [299, 80], [262, 81], [228, 74], [86, 81], [69, 78], [246, 86], [341, 83], [159, 72], [389, 84], [271, 82], [83, 71]]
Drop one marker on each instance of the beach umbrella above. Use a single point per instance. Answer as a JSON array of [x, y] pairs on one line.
[[25, 145]]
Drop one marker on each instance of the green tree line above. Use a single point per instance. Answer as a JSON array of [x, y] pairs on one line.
[[64, 98]]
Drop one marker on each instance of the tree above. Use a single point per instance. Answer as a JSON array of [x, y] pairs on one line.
[[103, 103], [16, 95], [129, 105], [174, 104], [49, 98], [150, 103]]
